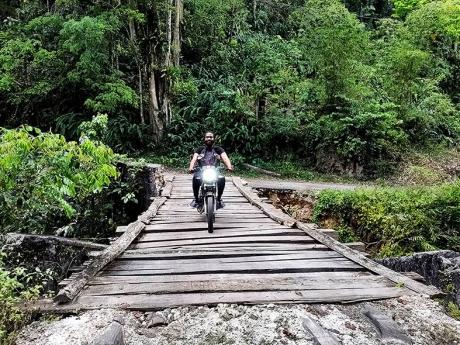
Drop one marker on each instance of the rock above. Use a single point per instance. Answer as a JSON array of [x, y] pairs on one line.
[[155, 319], [439, 268], [387, 328], [113, 335]]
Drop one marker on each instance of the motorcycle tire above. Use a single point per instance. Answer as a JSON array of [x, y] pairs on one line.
[[210, 213]]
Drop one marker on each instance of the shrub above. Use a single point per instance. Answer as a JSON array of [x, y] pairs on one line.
[[399, 220], [42, 175], [12, 293]]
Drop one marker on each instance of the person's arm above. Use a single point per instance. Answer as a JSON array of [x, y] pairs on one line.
[[193, 162], [226, 161]]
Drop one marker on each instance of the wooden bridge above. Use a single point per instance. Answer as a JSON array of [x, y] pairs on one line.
[[257, 254]]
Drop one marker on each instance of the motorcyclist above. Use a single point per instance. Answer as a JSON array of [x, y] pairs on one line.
[[205, 155]]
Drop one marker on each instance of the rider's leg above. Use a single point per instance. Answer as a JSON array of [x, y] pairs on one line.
[[196, 183], [220, 187]]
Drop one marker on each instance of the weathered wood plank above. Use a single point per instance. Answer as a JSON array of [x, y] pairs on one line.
[[146, 302], [241, 284], [171, 262], [371, 265], [248, 239], [107, 279], [218, 225], [224, 233], [307, 265], [201, 219], [233, 246], [197, 216], [197, 227], [196, 254]]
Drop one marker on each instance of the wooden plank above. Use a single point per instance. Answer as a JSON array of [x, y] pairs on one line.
[[146, 302], [248, 239], [224, 233], [185, 216], [228, 207], [218, 225], [260, 284], [197, 227], [233, 246], [108, 279], [224, 211], [107, 255], [167, 188], [171, 262], [307, 265], [371, 265], [195, 254], [199, 219], [103, 280]]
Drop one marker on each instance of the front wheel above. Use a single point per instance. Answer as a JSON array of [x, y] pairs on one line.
[[210, 213]]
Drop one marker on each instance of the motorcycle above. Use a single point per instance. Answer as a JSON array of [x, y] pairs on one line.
[[207, 195]]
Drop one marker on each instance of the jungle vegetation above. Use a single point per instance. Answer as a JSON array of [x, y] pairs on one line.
[[341, 86]]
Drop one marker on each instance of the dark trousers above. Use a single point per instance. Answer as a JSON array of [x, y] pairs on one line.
[[196, 183]]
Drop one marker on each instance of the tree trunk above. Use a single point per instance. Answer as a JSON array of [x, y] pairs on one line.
[[141, 96], [154, 109], [169, 34], [176, 48]]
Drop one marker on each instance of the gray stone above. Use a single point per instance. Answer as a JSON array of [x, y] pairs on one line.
[[113, 335], [387, 328], [320, 335], [155, 319], [439, 268]]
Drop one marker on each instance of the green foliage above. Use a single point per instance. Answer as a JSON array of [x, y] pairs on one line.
[[326, 82], [12, 293], [453, 310], [402, 220], [403, 7], [41, 175]]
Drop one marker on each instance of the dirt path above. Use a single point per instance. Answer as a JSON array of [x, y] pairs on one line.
[[297, 185]]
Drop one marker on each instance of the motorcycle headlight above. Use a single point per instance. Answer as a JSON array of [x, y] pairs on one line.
[[209, 175]]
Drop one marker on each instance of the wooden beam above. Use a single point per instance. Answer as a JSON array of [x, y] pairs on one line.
[[116, 248], [55, 239], [268, 209], [167, 188], [371, 265]]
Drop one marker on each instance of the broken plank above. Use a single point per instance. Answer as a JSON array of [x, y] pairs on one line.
[[146, 302], [239, 284]]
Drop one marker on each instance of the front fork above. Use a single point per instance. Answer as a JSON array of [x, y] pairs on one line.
[[203, 197]]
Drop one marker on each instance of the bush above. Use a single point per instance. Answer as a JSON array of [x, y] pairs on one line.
[[12, 293], [42, 176], [400, 221]]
